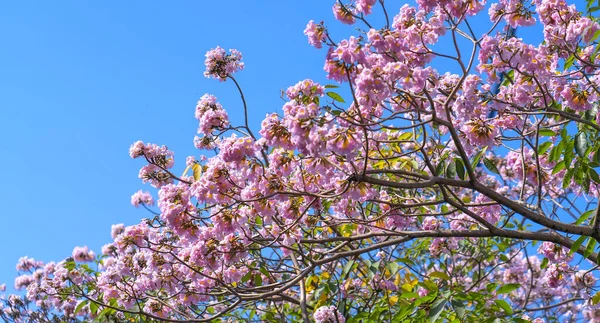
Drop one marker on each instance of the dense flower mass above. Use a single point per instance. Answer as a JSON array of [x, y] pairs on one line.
[[442, 183], [220, 64]]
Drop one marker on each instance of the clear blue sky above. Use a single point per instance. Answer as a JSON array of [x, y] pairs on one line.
[[81, 80]]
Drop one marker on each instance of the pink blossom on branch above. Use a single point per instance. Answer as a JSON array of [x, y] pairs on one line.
[[140, 197], [220, 64], [83, 254]]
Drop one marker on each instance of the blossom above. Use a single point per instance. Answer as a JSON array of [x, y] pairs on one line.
[[343, 14], [28, 264], [365, 6], [211, 115], [328, 314], [140, 197], [220, 64], [83, 254], [116, 229], [315, 34]]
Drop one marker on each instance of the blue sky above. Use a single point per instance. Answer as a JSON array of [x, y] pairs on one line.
[[81, 80]]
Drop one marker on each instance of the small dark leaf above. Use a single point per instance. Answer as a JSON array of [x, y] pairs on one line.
[[594, 175], [460, 168], [581, 144], [459, 308], [436, 309], [439, 170], [491, 166], [451, 170]]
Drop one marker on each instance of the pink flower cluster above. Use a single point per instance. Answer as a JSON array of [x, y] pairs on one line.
[[140, 197], [220, 64], [328, 314], [211, 115], [83, 254], [315, 34]]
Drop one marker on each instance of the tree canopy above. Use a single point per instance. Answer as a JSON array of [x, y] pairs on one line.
[[448, 173]]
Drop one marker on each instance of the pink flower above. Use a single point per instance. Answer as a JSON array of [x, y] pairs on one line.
[[143, 198], [235, 149], [315, 33], [28, 264], [83, 254], [343, 14], [220, 65], [328, 314], [116, 229], [211, 115], [364, 6], [349, 51], [137, 149], [23, 281]]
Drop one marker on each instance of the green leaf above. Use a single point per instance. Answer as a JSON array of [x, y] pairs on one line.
[[264, 271], [70, 265], [584, 217], [491, 166], [569, 61], [79, 306], [440, 275], [544, 263], [544, 147], [459, 308], [508, 77], [593, 175], [460, 168], [257, 280], [439, 170], [592, 10], [597, 33], [568, 177], [558, 167], [436, 309], [335, 97], [93, 308], [577, 244], [596, 299], [505, 289], [504, 305], [347, 267], [477, 157], [547, 132], [331, 86], [589, 248], [451, 170], [581, 144]]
